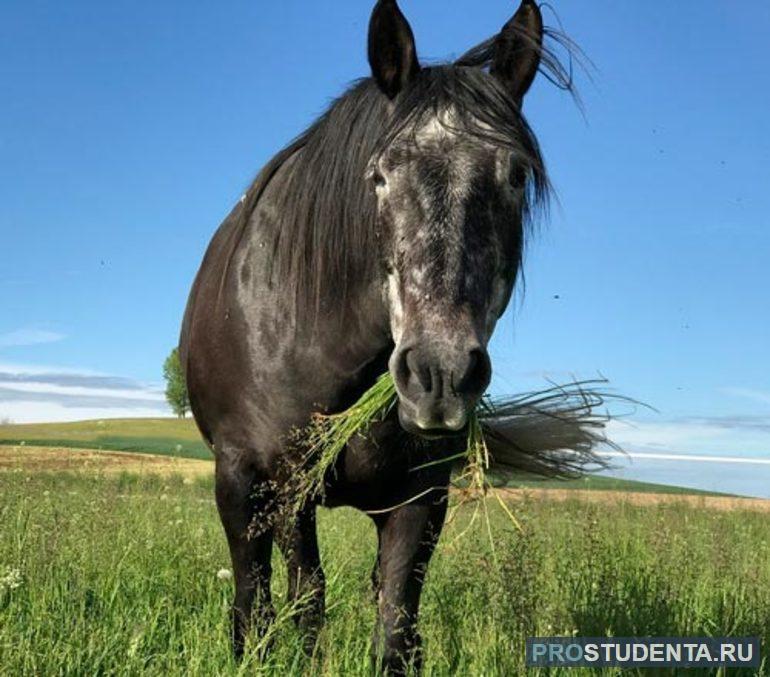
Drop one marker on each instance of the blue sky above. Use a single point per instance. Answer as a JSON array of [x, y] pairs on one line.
[[128, 130]]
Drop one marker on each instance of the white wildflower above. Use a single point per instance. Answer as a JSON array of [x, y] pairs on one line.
[[10, 579], [224, 574]]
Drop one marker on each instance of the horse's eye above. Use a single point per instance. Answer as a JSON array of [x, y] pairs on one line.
[[377, 178], [519, 176]]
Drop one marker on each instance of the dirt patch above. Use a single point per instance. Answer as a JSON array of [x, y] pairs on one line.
[[721, 503], [56, 459]]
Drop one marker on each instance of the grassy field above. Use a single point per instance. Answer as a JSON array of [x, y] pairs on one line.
[[180, 438], [160, 436], [117, 574]]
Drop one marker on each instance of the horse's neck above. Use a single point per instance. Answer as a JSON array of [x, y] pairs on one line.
[[354, 329], [358, 328]]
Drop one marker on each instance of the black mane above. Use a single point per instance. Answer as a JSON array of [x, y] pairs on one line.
[[325, 244]]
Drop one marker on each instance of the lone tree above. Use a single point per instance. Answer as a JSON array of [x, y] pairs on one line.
[[176, 388]]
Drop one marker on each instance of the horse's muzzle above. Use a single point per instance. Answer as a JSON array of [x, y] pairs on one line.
[[438, 389]]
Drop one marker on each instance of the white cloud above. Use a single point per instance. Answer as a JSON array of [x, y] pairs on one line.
[[38, 394], [51, 412], [50, 388], [689, 458], [29, 337], [738, 436], [38, 369]]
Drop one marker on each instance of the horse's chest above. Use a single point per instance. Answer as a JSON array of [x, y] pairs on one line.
[[381, 454]]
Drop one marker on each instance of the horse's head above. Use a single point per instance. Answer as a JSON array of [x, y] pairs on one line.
[[453, 179]]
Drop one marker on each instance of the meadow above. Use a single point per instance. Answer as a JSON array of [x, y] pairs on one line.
[[179, 438], [160, 436], [126, 574]]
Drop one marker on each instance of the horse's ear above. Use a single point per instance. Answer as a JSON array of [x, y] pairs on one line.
[[392, 51], [518, 49]]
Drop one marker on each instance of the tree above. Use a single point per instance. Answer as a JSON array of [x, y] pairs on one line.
[[176, 387]]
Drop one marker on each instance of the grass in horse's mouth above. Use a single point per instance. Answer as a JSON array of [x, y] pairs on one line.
[[554, 432]]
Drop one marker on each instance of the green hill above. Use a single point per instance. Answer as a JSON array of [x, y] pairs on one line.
[[180, 437], [162, 436]]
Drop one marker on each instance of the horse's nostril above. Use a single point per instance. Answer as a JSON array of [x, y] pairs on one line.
[[412, 376], [420, 372], [402, 367], [418, 369], [477, 373]]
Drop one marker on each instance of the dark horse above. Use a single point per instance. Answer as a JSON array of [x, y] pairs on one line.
[[388, 236]]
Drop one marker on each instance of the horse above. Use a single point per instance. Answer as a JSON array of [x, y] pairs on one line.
[[388, 236]]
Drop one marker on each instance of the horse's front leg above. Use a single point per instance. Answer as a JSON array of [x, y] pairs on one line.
[[244, 504], [407, 538], [299, 544]]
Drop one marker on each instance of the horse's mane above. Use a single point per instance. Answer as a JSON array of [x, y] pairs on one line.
[[325, 242]]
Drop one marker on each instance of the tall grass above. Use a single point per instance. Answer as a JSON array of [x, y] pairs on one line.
[[119, 576]]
